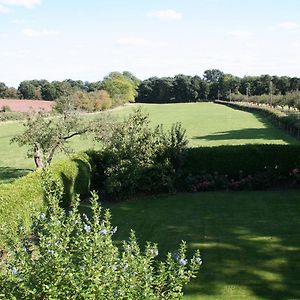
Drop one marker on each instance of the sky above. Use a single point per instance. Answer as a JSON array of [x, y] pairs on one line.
[[87, 39]]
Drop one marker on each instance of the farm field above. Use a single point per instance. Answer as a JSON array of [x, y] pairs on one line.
[[249, 241], [26, 105], [207, 124]]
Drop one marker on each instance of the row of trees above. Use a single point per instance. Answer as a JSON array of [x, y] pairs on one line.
[[214, 84], [125, 87]]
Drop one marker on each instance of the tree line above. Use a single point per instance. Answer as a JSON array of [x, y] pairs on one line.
[[121, 87], [125, 87], [214, 84]]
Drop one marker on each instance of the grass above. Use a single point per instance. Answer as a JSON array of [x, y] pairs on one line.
[[249, 241], [210, 124], [207, 124]]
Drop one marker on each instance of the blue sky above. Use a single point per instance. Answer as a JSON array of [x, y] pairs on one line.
[[86, 39]]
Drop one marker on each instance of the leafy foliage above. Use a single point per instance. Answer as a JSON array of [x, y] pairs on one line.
[[44, 135], [70, 257], [121, 87], [90, 102], [137, 158]]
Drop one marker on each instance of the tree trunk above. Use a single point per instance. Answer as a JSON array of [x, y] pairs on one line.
[[38, 160]]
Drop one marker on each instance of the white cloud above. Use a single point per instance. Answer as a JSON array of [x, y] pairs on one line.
[[15, 53], [23, 3], [166, 15], [49, 32], [289, 25], [133, 41], [240, 34], [29, 32], [4, 9], [18, 21]]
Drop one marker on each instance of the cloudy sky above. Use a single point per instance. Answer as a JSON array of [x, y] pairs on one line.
[[86, 39]]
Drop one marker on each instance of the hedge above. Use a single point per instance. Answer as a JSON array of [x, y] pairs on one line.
[[25, 195], [250, 159]]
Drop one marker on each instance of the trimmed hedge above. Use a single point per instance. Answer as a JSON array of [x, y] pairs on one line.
[[251, 159], [18, 200], [268, 164]]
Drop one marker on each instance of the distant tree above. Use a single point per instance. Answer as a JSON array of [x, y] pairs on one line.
[[93, 86], [27, 90], [294, 84], [203, 90], [228, 85], [214, 91], [49, 91], [146, 90], [120, 88], [183, 91], [3, 89], [11, 93], [63, 88], [281, 84], [213, 75]]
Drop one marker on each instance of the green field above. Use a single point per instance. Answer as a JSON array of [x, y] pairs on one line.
[[207, 124], [249, 241]]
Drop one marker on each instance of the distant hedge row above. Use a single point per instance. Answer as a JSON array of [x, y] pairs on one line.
[[287, 121], [25, 195]]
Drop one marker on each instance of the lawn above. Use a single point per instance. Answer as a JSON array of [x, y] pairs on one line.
[[207, 124], [249, 241]]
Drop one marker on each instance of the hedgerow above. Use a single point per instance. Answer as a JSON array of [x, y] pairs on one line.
[[22, 197]]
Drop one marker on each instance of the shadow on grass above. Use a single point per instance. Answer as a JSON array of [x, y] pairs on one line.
[[250, 242], [242, 134], [8, 174], [268, 133]]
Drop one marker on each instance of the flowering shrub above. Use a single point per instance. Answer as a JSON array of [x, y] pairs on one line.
[[67, 256]]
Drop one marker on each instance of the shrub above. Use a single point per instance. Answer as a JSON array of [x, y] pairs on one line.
[[22, 197], [69, 257], [137, 158]]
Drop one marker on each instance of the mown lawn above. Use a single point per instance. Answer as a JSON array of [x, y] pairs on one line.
[[207, 124], [249, 241]]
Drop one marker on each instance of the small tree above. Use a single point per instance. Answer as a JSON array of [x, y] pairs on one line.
[[45, 135]]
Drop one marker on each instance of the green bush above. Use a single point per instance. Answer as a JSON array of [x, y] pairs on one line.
[[137, 158], [70, 257], [19, 199]]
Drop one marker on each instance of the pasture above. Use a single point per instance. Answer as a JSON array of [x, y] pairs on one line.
[[207, 124]]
